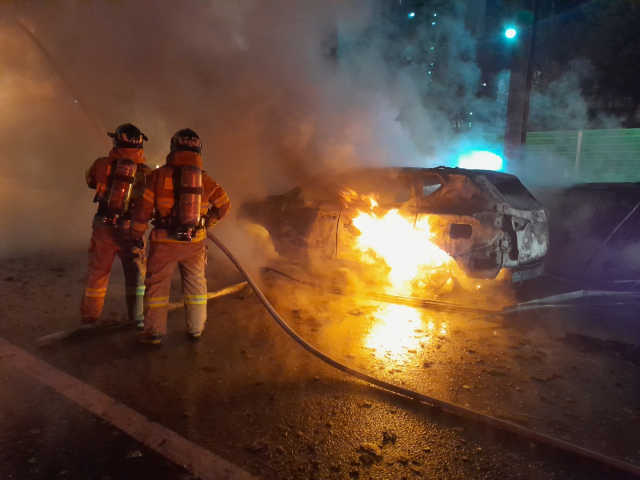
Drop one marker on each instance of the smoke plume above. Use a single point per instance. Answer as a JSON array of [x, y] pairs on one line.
[[277, 91]]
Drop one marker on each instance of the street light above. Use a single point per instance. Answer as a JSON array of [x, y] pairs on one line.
[[510, 33], [481, 160]]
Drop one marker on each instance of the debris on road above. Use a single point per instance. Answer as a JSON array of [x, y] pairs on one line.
[[257, 446], [371, 449], [388, 438]]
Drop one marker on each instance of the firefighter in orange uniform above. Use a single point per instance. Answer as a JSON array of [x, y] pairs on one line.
[[178, 196], [119, 181]]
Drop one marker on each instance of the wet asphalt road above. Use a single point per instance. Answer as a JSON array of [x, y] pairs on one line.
[[44, 435], [252, 396]]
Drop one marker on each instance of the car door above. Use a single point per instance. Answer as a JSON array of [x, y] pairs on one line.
[[307, 223], [391, 191]]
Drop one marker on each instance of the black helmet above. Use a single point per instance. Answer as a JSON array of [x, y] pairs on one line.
[[186, 139], [128, 136]]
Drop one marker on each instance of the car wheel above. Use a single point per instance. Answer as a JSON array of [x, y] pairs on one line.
[[437, 280]]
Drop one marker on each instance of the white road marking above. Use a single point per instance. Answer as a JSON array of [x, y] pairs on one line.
[[199, 461]]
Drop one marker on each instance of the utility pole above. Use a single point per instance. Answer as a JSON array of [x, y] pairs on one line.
[[520, 81]]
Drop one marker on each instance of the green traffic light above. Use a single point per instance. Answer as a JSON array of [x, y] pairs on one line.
[[510, 32]]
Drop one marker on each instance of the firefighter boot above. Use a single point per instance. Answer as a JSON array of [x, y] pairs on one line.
[[149, 338], [194, 337]]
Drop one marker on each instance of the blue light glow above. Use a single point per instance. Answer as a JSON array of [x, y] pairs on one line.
[[510, 32], [412, 14], [481, 160]]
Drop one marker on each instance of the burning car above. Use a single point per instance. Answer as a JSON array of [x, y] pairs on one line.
[[424, 225]]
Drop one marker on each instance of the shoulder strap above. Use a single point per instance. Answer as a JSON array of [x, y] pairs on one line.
[[142, 172], [177, 171], [102, 201]]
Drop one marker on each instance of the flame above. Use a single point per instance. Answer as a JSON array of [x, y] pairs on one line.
[[414, 261], [351, 196]]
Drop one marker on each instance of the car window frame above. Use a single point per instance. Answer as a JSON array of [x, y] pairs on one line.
[[387, 176], [417, 187], [336, 202]]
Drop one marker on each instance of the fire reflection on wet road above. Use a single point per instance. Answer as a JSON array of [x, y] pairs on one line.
[[522, 375], [399, 332]]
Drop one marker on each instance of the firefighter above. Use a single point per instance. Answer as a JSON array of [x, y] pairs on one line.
[[119, 181], [178, 196]]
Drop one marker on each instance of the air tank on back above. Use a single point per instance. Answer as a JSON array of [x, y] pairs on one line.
[[119, 194], [190, 196]]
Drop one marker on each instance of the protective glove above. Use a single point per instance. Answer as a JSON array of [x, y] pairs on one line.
[[138, 242], [137, 238], [212, 217]]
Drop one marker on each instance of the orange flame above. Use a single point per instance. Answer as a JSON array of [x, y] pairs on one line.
[[414, 261]]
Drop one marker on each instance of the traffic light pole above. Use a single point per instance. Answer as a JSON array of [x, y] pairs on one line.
[[520, 82]]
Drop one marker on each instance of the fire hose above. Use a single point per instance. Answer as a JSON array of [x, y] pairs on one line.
[[450, 407]]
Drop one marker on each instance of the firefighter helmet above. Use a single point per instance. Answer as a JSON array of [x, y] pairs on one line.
[[128, 136], [186, 139]]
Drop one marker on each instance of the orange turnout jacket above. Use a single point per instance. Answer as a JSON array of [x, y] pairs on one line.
[[159, 197]]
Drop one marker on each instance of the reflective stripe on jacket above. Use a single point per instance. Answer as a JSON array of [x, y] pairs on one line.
[[159, 197]]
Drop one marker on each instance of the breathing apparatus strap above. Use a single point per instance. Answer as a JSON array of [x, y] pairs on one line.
[[170, 222], [121, 178], [194, 190]]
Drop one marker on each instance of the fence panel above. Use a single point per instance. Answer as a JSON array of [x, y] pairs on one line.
[[610, 156], [593, 156]]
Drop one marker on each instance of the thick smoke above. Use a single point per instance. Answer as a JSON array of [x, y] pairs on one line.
[[559, 104], [277, 90], [251, 77]]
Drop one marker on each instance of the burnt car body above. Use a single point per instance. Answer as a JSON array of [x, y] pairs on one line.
[[486, 221]]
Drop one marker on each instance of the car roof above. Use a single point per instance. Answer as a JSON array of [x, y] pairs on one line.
[[418, 170], [508, 186]]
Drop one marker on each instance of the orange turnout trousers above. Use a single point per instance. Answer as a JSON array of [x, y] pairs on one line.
[[105, 244], [191, 259]]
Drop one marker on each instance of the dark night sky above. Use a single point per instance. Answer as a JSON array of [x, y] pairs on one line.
[[604, 32], [598, 36]]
